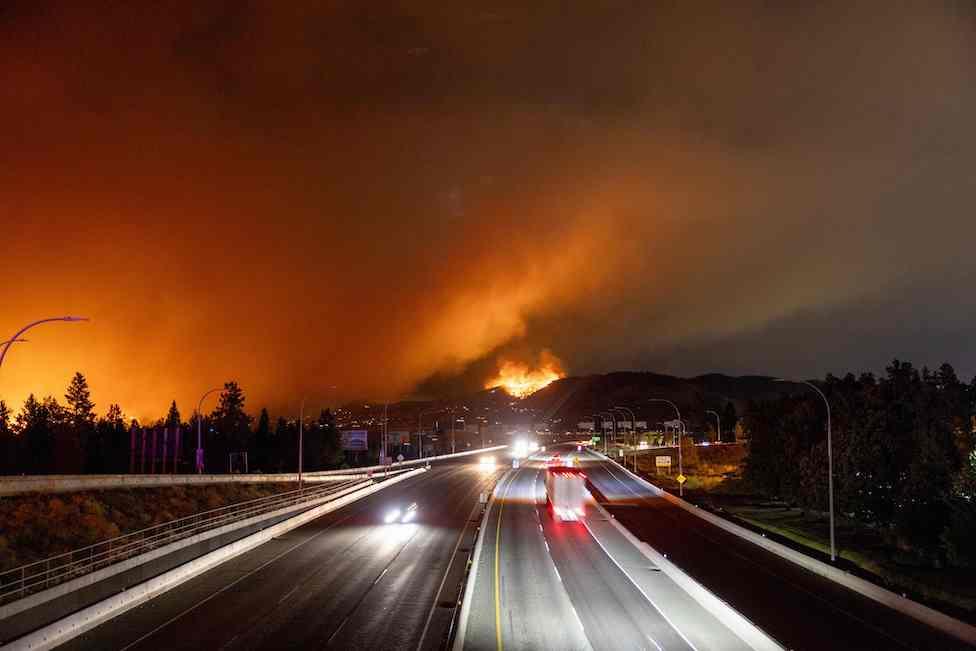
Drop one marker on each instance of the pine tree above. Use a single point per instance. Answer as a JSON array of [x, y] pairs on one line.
[[173, 417], [80, 408], [8, 443], [232, 424], [36, 428], [115, 415]]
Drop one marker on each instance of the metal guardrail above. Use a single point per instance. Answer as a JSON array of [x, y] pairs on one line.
[[22, 581]]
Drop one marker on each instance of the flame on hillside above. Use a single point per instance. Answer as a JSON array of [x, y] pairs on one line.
[[519, 380]]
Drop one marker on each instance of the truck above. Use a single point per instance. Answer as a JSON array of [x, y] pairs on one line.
[[565, 490]]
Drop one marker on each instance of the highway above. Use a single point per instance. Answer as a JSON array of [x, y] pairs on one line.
[[543, 584], [346, 580], [798, 608]]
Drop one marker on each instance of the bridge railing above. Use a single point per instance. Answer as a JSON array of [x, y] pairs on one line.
[[27, 579]]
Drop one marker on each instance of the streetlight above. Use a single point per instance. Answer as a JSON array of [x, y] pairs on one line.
[[681, 485], [830, 464], [719, 420], [633, 430], [199, 420], [16, 337], [613, 428], [420, 428], [301, 448]]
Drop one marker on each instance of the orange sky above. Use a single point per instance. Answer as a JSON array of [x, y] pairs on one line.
[[304, 196]]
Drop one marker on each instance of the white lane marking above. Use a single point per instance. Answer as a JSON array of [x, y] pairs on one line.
[[447, 570], [654, 642], [639, 589]]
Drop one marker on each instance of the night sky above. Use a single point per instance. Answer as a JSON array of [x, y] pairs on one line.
[[391, 195]]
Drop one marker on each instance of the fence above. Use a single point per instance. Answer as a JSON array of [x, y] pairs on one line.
[[40, 575]]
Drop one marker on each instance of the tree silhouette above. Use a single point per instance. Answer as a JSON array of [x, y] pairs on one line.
[[80, 408], [173, 416]]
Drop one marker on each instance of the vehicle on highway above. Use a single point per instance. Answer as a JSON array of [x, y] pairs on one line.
[[401, 516], [565, 491], [555, 461]]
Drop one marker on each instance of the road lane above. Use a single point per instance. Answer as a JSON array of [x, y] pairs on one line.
[[532, 610], [346, 580], [798, 608], [557, 588]]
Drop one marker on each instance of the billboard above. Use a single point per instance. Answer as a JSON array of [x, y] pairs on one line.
[[608, 424], [354, 439], [642, 425], [586, 424], [625, 424]]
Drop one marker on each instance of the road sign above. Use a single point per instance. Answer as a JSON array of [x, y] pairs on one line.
[[681, 479], [595, 439], [620, 453], [662, 462], [400, 457], [354, 439]]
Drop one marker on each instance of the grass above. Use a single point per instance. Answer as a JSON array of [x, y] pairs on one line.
[[36, 526]]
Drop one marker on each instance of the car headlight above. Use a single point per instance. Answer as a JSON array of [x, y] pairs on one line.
[[392, 516]]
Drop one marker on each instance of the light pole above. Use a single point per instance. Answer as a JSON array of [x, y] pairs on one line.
[[301, 442], [718, 419], [830, 465], [681, 485], [420, 429], [613, 428], [386, 420], [633, 430], [199, 420], [16, 337]]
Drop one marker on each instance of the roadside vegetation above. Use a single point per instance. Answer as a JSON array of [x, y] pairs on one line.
[[904, 479], [36, 526]]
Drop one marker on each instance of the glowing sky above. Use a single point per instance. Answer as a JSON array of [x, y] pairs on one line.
[[381, 196]]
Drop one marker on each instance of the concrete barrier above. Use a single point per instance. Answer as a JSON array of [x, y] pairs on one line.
[[68, 483], [937, 620], [462, 630], [74, 625]]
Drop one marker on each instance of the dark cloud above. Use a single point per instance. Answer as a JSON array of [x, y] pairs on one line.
[[371, 195]]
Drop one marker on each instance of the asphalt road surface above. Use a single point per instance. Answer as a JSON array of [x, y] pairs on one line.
[[798, 608], [543, 584], [346, 580]]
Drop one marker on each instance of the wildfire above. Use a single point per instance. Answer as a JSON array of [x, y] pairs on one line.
[[519, 380]]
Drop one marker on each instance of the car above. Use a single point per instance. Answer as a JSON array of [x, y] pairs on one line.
[[397, 515]]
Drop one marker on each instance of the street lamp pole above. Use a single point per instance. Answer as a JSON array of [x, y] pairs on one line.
[[718, 419], [830, 466], [420, 429], [16, 337], [681, 486], [301, 443], [199, 420], [633, 431]]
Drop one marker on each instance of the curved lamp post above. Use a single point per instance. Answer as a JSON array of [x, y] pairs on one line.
[[16, 337], [681, 486], [830, 464], [199, 421]]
